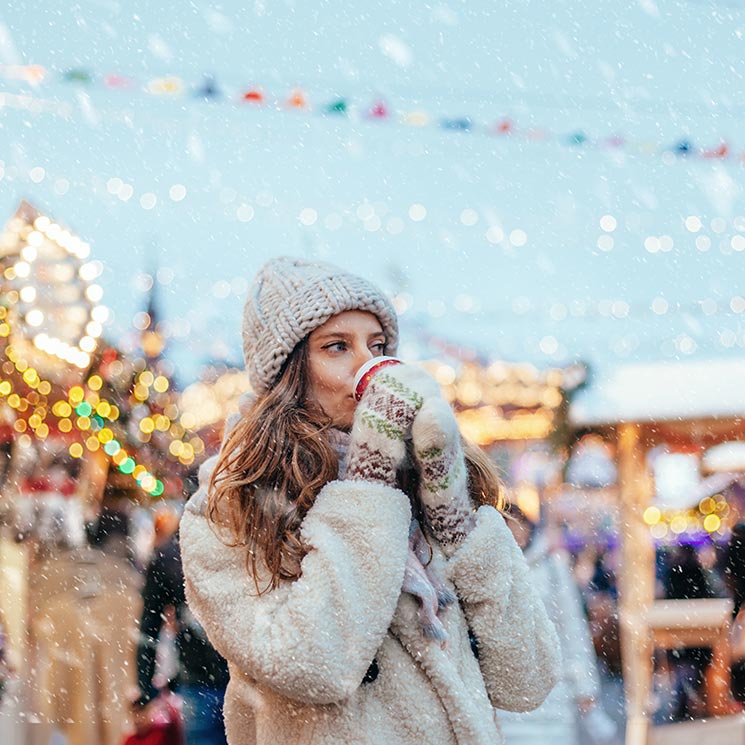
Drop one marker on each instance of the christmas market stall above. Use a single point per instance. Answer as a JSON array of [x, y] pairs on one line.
[[676, 429], [76, 414]]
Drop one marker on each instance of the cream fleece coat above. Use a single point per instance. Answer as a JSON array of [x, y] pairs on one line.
[[298, 655]]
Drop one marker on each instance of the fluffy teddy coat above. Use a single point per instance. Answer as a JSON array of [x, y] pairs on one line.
[[338, 656]]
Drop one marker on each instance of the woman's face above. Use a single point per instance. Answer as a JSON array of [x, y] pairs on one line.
[[336, 350]]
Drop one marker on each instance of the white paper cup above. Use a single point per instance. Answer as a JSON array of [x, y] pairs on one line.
[[365, 374]]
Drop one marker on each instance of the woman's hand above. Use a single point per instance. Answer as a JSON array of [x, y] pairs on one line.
[[383, 420], [443, 488]]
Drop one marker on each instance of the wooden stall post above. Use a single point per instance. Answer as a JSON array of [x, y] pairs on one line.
[[636, 583]]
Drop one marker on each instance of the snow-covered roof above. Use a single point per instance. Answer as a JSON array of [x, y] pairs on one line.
[[728, 456], [647, 392]]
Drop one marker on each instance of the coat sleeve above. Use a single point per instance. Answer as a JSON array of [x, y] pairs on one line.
[[313, 639], [518, 647]]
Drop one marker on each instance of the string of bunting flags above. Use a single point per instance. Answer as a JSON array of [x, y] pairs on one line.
[[377, 110]]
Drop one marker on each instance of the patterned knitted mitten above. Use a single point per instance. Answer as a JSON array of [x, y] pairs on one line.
[[383, 420], [443, 489]]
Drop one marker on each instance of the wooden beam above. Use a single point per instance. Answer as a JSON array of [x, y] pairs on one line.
[[636, 583]]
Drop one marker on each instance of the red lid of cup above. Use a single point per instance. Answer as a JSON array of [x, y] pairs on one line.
[[366, 373]]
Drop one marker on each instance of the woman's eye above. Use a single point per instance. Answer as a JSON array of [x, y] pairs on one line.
[[378, 347], [336, 346]]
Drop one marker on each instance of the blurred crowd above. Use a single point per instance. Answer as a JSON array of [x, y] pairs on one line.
[[113, 655]]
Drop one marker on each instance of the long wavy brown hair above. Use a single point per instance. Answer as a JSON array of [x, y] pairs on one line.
[[276, 460]]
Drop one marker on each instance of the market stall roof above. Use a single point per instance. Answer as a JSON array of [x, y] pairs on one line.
[[664, 391]]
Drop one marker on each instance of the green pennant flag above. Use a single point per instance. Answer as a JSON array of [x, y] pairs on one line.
[[337, 107], [77, 76]]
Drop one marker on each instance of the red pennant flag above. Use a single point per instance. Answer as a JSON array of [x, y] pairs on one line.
[[504, 127], [253, 96], [720, 152]]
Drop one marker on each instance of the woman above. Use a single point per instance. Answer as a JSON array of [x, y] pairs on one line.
[[297, 550]]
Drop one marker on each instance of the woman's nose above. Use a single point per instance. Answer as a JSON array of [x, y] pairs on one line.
[[362, 356]]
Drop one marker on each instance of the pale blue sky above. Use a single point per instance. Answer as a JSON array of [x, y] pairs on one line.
[[351, 190]]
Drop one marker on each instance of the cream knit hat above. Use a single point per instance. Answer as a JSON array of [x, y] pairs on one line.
[[289, 299]]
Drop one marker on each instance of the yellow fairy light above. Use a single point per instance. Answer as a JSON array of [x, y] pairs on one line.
[[198, 445], [105, 435], [34, 421], [678, 524], [76, 450], [160, 384], [4, 329], [162, 423], [20, 425], [5, 388], [65, 425], [146, 378], [712, 523], [652, 515], [147, 425], [92, 443], [138, 471], [707, 505], [176, 448], [62, 409], [14, 400], [76, 394], [95, 382], [42, 431], [103, 409], [83, 423], [45, 388], [141, 392], [187, 420]]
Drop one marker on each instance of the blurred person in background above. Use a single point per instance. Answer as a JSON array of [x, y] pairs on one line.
[[572, 713], [685, 579], [201, 674], [734, 571], [85, 603]]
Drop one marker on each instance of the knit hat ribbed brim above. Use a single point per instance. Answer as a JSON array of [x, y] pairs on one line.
[[292, 297]]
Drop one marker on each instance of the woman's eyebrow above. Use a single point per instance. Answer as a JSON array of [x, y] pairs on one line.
[[334, 335]]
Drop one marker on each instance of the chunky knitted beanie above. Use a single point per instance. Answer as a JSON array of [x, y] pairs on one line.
[[289, 299]]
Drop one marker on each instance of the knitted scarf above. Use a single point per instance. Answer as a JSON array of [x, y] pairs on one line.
[[420, 580]]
